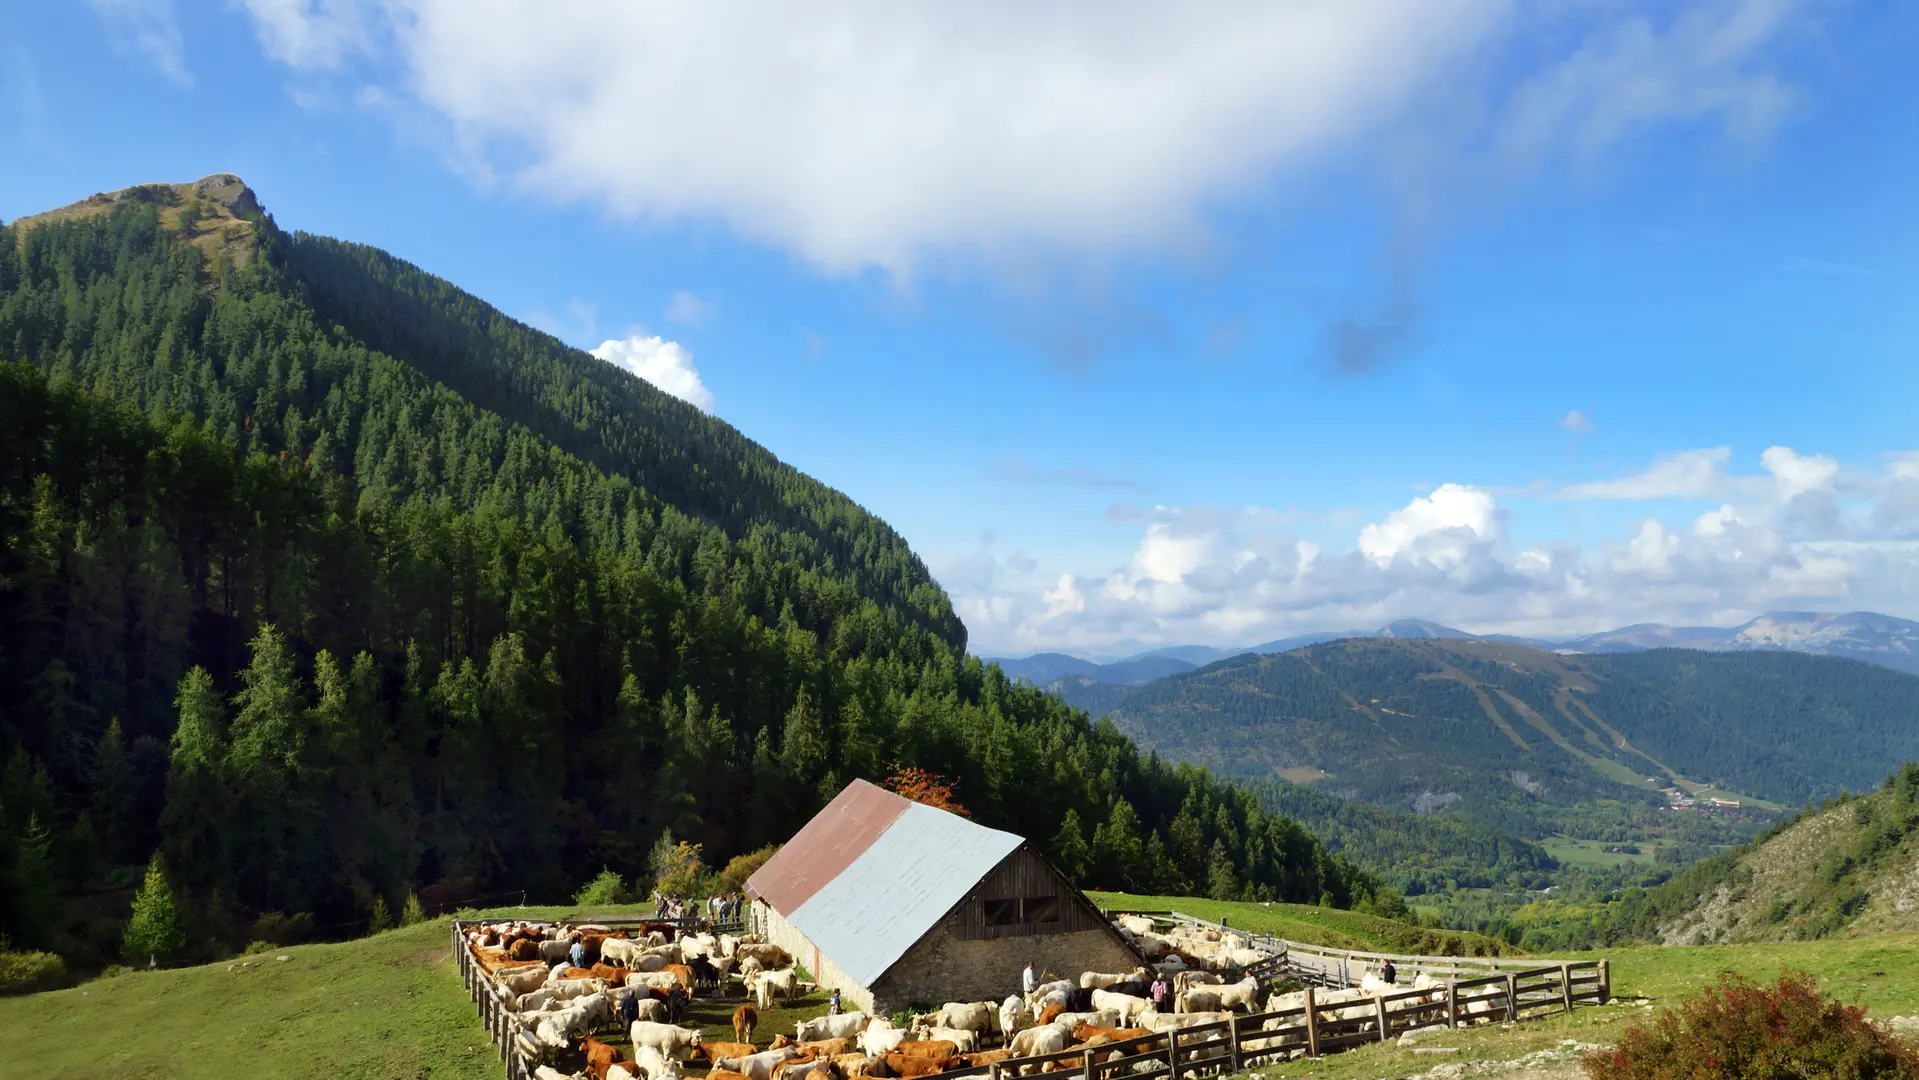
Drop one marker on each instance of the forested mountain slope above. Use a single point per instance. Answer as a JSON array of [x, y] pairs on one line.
[[1511, 733], [327, 581]]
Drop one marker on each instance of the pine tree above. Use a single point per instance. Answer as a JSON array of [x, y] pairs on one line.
[[1069, 847], [113, 793], [154, 932], [192, 824]]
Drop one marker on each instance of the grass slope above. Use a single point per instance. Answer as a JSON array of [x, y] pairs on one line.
[[1316, 925], [379, 1008]]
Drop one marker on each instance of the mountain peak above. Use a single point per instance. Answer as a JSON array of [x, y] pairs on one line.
[[216, 212]]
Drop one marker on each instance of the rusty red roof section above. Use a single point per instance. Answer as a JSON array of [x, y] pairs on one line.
[[827, 845]]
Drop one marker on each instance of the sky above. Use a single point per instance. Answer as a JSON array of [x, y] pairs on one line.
[[1145, 324]]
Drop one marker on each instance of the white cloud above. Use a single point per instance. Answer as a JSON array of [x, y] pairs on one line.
[[309, 33], [147, 27], [1781, 540], [1798, 475], [1439, 529], [1632, 74], [665, 364], [685, 307], [878, 135], [1688, 474], [1577, 422]]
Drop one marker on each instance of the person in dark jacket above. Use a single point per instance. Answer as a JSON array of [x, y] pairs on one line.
[[1388, 974]]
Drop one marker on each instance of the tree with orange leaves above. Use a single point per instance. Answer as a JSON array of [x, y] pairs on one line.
[[925, 787]]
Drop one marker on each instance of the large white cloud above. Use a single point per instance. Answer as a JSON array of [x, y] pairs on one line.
[[1798, 532], [665, 364], [860, 134]]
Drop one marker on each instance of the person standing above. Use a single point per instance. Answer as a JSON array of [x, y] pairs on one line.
[[833, 1004], [1158, 993], [1387, 973], [1028, 981]]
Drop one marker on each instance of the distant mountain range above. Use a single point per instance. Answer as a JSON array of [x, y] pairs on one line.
[[1525, 739], [1858, 635]]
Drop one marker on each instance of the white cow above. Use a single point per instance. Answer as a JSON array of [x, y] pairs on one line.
[[619, 952], [1241, 994], [670, 1040], [774, 984], [877, 1041], [521, 980], [1009, 1016], [843, 1026], [964, 1015], [1126, 1005], [758, 1066]]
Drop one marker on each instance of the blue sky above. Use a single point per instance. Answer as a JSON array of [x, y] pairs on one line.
[[1146, 324]]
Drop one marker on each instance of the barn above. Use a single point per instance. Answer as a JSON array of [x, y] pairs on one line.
[[896, 904]]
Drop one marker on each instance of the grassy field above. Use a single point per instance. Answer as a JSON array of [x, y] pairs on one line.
[[1575, 852], [391, 1006], [1315, 925]]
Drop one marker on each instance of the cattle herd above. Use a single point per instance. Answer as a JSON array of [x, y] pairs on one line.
[[644, 977]]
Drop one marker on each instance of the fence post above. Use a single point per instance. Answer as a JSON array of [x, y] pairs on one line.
[[1566, 985], [1379, 1010], [1086, 1066], [1172, 1054], [1605, 980], [1232, 1042], [1452, 1006], [992, 1071], [1512, 998], [1312, 1025]]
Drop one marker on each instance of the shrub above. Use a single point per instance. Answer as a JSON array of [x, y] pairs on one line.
[[607, 888], [412, 914], [733, 878], [27, 972], [280, 929], [255, 948], [1740, 1029]]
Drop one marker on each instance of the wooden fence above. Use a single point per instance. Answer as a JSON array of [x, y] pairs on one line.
[[1512, 989]]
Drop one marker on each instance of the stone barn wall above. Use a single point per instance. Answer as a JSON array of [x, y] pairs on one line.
[[946, 967], [784, 934]]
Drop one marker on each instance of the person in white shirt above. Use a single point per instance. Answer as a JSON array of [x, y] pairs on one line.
[[1028, 981]]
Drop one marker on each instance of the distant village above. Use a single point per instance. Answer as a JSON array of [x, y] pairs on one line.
[[1680, 799]]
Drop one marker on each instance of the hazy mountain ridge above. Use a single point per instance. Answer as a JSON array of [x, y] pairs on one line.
[[1870, 636]]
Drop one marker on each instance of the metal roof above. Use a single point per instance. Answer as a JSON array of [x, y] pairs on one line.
[[871, 908], [826, 845]]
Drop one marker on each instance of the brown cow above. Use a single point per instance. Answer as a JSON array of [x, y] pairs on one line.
[[725, 1074], [599, 1056], [1084, 1033], [714, 1051], [523, 949], [819, 1072], [1050, 1013], [907, 1066], [613, 975], [928, 1048], [591, 943], [745, 1019], [986, 1057], [682, 973]]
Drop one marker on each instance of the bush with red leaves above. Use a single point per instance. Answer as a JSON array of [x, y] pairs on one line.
[[1741, 1030]]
